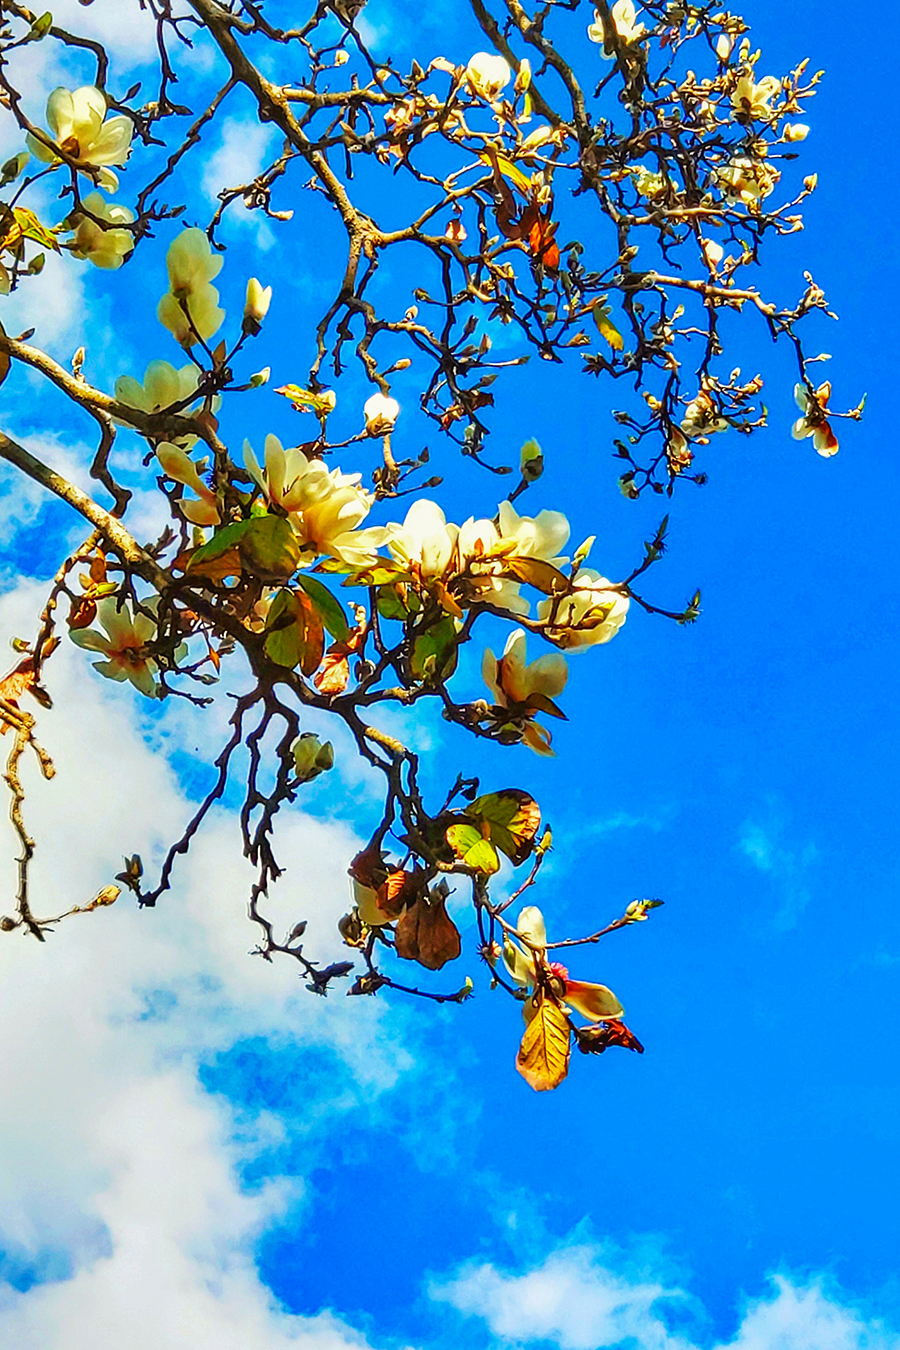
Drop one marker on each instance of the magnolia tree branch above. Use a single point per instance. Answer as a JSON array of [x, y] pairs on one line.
[[595, 199]]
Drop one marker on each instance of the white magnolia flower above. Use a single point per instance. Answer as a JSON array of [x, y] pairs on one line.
[[750, 102], [702, 416], [191, 265], [256, 306], [80, 128], [381, 412], [163, 385], [487, 75], [123, 642], [424, 541], [593, 1001], [624, 17], [592, 614], [178, 466], [713, 253], [513, 683], [814, 421], [104, 248], [747, 180], [325, 507], [648, 183], [541, 536]]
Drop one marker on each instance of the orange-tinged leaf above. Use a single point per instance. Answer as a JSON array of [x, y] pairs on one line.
[[543, 1058], [334, 676], [21, 680], [511, 819]]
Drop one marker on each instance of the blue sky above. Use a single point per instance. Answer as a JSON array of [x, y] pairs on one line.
[[207, 1157]]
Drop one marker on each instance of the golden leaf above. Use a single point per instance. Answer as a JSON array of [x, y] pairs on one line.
[[543, 1058]]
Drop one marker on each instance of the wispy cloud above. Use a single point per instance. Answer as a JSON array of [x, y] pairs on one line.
[[789, 864]]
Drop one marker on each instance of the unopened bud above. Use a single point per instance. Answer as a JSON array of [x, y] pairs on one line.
[[256, 306], [311, 757]]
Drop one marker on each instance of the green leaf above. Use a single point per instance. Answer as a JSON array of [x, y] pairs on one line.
[[330, 608], [294, 633], [32, 228], [390, 606], [270, 548], [223, 540], [435, 652], [471, 847], [511, 819]]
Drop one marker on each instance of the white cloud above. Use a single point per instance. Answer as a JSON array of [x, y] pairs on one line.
[[788, 866], [583, 1296], [244, 149], [125, 1203]]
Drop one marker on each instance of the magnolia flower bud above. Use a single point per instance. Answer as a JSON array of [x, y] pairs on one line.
[[381, 413], [13, 167], [523, 78], [795, 131], [531, 461], [261, 377], [341, 57], [311, 757], [256, 306]]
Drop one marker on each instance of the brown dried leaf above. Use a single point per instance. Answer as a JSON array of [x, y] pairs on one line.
[[427, 934]]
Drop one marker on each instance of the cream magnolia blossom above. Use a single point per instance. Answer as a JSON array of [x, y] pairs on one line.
[[162, 386], [104, 248], [381, 413], [747, 180], [480, 555], [702, 416], [593, 1001], [425, 541], [751, 101], [123, 642], [593, 613], [513, 682], [648, 183], [814, 421], [178, 466], [487, 75], [80, 128], [189, 309], [624, 17], [713, 253], [540, 536], [325, 507]]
